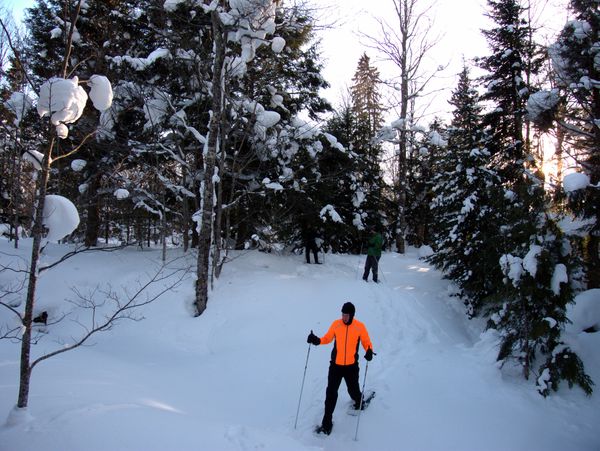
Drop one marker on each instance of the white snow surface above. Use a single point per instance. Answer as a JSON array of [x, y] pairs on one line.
[[230, 379]]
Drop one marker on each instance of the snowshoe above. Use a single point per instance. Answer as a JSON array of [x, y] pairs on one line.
[[323, 429], [367, 398]]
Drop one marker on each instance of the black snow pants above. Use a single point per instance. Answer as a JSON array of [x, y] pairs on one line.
[[372, 264], [311, 246], [336, 373]]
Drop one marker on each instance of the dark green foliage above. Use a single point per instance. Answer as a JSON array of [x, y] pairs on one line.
[[563, 365], [466, 192]]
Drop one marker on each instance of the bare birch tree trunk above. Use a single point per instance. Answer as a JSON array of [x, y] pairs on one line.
[[206, 229], [405, 45], [38, 230]]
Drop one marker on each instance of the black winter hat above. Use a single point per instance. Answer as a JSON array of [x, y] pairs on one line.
[[348, 307]]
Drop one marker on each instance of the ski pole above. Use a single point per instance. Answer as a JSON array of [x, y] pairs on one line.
[[362, 397], [359, 260], [302, 387]]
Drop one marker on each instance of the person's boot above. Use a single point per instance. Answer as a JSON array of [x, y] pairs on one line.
[[325, 428]]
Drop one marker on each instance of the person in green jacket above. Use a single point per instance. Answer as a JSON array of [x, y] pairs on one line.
[[373, 255]]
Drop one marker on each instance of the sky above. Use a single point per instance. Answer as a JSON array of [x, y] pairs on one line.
[[457, 26], [232, 379]]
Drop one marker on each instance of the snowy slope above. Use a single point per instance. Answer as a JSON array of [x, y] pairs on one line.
[[230, 379]]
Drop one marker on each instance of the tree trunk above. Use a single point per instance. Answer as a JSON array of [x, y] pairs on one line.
[[93, 212], [209, 168], [38, 230], [185, 219]]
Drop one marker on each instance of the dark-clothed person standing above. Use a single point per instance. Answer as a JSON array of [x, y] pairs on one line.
[[375, 244], [310, 245]]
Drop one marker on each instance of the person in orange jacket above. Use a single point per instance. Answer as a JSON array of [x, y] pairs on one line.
[[348, 333]]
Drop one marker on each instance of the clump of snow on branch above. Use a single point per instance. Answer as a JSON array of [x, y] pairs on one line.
[[121, 193], [584, 312], [559, 276], [19, 104], [64, 100], [272, 185], [171, 5], [254, 20], [35, 158], [60, 217], [399, 124], [101, 92], [277, 44], [329, 210], [334, 142], [265, 119], [540, 102], [142, 63], [575, 181], [530, 260], [581, 29], [436, 139], [78, 165], [512, 267]]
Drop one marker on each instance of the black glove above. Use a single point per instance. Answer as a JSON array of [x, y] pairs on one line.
[[313, 339], [369, 355]]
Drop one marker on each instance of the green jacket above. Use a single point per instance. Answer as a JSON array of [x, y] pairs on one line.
[[375, 245]]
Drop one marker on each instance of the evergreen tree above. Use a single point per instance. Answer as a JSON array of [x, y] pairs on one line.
[[462, 206], [367, 110], [536, 266], [422, 162], [366, 99], [575, 105]]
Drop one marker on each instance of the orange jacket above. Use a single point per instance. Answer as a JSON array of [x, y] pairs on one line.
[[347, 338]]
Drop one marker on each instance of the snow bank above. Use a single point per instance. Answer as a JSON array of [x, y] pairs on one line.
[[438, 386]]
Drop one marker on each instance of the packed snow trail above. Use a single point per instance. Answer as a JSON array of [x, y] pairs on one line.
[[230, 379]]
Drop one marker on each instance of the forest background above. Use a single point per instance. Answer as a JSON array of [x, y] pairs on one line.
[[217, 137]]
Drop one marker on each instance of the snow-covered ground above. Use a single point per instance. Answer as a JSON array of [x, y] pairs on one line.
[[230, 379]]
